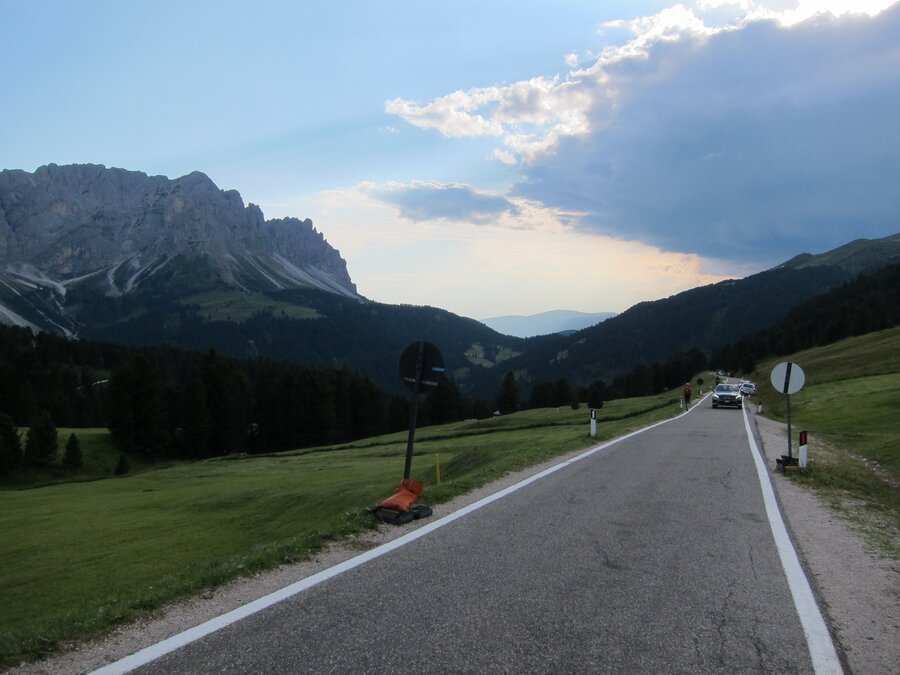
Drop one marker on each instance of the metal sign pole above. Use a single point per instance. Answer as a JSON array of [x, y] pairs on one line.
[[788, 396], [414, 412], [788, 378]]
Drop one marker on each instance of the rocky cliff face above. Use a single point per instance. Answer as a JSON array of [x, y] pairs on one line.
[[64, 226]]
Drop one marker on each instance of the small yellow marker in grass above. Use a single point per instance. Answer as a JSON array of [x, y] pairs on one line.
[[437, 468]]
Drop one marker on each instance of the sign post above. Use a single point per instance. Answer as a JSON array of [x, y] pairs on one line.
[[788, 378], [421, 366]]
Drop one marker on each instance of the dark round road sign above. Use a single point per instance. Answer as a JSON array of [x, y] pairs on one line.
[[421, 361]]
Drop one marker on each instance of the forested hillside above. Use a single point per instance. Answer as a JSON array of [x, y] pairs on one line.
[[869, 303], [162, 402], [704, 319], [332, 330]]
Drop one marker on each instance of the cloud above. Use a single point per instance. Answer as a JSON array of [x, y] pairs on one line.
[[726, 129], [749, 144], [421, 201], [453, 115], [529, 116], [505, 157], [470, 270]]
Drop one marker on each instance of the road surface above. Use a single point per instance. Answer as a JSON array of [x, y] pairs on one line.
[[652, 555]]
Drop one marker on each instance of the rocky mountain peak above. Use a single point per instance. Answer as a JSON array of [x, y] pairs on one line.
[[75, 220], [115, 231]]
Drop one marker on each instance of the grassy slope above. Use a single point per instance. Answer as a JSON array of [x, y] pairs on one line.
[[229, 305], [849, 405], [77, 557]]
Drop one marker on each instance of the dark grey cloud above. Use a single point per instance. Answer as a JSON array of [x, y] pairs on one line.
[[753, 145], [429, 201]]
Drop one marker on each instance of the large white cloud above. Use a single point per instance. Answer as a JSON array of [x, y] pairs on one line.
[[727, 129]]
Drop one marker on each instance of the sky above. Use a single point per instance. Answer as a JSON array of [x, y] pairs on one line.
[[488, 157]]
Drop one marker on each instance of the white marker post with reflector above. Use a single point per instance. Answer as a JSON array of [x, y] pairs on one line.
[[804, 450]]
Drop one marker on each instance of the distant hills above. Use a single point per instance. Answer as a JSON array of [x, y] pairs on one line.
[[703, 318], [123, 257], [545, 323]]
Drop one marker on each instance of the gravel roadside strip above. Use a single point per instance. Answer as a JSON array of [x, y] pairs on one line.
[[858, 590]]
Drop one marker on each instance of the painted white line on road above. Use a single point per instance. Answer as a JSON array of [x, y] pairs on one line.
[[184, 638], [821, 649]]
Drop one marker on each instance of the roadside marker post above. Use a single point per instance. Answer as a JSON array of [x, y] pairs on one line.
[[593, 423], [804, 450]]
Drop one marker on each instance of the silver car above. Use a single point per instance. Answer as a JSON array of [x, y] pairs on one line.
[[727, 394]]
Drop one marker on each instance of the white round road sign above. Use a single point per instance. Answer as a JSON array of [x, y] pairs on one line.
[[788, 378]]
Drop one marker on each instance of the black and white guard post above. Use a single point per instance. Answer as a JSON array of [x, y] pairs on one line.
[[593, 423], [788, 378]]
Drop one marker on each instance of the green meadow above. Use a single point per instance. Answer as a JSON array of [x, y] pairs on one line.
[[78, 557], [238, 306], [99, 457], [849, 405]]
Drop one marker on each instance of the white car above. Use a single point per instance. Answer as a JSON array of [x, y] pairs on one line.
[[748, 388]]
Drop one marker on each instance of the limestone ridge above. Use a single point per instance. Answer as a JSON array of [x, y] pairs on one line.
[[118, 230]]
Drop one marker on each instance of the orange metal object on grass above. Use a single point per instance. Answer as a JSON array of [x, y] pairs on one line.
[[407, 493]]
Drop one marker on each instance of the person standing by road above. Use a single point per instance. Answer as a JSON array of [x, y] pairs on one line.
[[686, 394]]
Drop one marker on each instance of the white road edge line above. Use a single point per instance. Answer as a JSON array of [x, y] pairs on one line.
[[821, 648], [155, 651]]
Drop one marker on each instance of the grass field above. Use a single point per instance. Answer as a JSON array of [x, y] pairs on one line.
[[78, 557], [99, 457], [238, 306], [849, 405]]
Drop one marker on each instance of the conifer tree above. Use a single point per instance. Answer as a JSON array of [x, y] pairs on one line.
[[10, 444], [122, 465], [73, 459], [40, 448], [508, 396]]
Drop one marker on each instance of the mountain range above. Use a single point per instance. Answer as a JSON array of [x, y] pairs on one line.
[[124, 257], [117, 233], [546, 323]]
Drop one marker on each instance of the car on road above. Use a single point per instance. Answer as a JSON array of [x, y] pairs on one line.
[[727, 394], [748, 388]]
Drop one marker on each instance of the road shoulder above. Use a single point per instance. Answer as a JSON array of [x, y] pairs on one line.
[[857, 587]]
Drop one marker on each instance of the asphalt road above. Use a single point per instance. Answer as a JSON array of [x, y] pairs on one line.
[[651, 556]]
